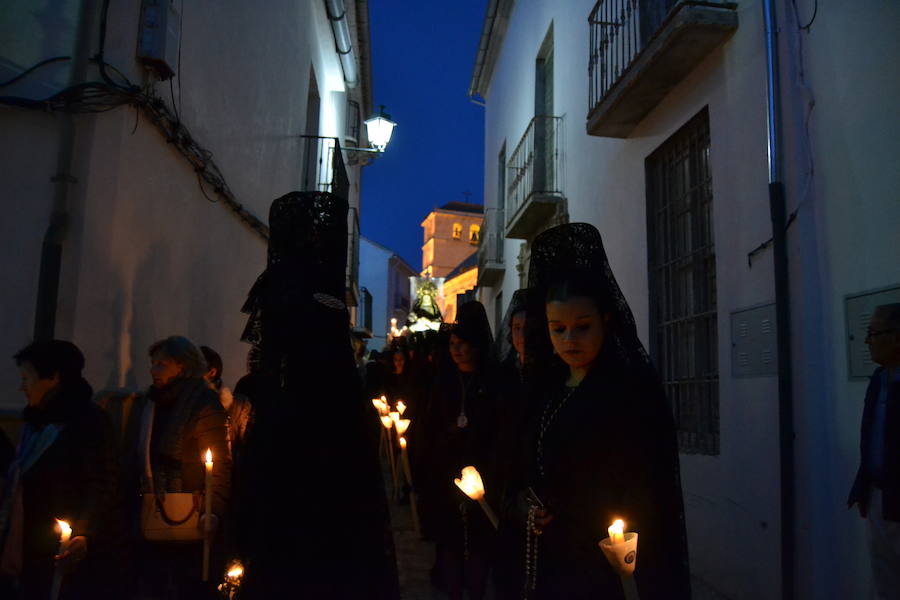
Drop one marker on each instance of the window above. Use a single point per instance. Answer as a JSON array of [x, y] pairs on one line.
[[682, 275], [457, 231], [474, 234], [352, 121]]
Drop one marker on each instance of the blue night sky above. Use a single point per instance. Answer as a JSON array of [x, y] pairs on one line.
[[422, 59]]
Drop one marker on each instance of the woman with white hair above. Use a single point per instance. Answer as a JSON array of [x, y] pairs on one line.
[[182, 419]]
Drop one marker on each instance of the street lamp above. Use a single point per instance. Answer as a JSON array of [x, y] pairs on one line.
[[378, 130]]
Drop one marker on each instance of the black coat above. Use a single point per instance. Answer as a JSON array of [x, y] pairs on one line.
[[75, 479], [890, 484], [610, 452]]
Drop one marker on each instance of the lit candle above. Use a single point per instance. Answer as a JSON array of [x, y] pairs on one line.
[[620, 549], [395, 416], [401, 407], [617, 532], [388, 422], [404, 457], [65, 534], [207, 498], [232, 579], [402, 425], [471, 485]]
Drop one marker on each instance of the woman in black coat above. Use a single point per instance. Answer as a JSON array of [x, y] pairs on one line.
[[65, 467], [460, 427], [600, 443]]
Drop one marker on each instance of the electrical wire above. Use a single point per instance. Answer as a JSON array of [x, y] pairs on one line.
[[29, 70], [811, 19]]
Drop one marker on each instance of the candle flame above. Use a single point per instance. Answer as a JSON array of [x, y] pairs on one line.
[[65, 529], [403, 443], [401, 407], [402, 425], [208, 455], [471, 484], [236, 570], [618, 527], [387, 422], [394, 415]]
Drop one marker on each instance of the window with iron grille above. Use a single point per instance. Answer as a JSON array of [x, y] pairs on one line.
[[352, 121], [682, 273]]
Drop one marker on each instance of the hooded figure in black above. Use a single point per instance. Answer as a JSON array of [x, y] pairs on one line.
[[601, 441], [460, 427], [313, 515]]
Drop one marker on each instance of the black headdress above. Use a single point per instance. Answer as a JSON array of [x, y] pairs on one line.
[[472, 326], [574, 253], [300, 294]]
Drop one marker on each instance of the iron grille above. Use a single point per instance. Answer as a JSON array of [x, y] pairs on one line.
[[619, 31], [682, 271], [533, 167], [323, 166], [353, 121]]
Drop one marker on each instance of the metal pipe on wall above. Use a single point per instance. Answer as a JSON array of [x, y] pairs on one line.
[[337, 14], [55, 236], [778, 215]]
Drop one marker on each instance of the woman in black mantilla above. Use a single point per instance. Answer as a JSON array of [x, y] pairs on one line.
[[461, 431], [601, 442], [312, 514]]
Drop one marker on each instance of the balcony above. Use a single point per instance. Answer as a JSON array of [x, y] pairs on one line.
[[352, 280], [323, 166], [534, 190], [490, 248], [641, 49]]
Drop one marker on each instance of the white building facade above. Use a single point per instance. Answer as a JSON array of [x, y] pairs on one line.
[[384, 290], [650, 121], [153, 213]]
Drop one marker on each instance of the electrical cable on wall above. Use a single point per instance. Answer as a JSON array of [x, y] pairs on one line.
[[106, 95]]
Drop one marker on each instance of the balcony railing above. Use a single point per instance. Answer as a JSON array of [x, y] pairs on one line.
[[490, 248], [533, 172], [323, 166], [352, 285], [640, 49]]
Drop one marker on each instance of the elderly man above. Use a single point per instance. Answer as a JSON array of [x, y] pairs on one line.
[[877, 485]]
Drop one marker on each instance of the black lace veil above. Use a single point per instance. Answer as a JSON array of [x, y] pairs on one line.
[[574, 252], [522, 300]]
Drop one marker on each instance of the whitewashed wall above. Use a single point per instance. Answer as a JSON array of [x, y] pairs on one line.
[[843, 242]]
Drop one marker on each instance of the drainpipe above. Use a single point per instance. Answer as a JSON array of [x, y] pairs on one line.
[[782, 305], [63, 180], [337, 14]]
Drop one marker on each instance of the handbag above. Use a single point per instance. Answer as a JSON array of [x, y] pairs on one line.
[[166, 516]]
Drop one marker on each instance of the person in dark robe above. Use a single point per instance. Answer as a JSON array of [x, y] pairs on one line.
[[65, 467], [600, 444], [512, 415], [313, 519], [461, 431]]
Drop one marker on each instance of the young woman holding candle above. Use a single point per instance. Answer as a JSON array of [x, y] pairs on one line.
[[601, 440], [461, 431]]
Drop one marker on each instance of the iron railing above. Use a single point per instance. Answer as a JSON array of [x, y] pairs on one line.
[[533, 167], [352, 256], [619, 31], [490, 246], [323, 166]]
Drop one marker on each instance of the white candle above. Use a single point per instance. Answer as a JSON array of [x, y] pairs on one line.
[[65, 534], [401, 407], [471, 485], [207, 498]]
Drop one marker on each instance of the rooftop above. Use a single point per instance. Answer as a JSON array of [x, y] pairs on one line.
[[469, 207]]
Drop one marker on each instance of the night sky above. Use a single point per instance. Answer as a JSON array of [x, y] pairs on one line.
[[423, 54]]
